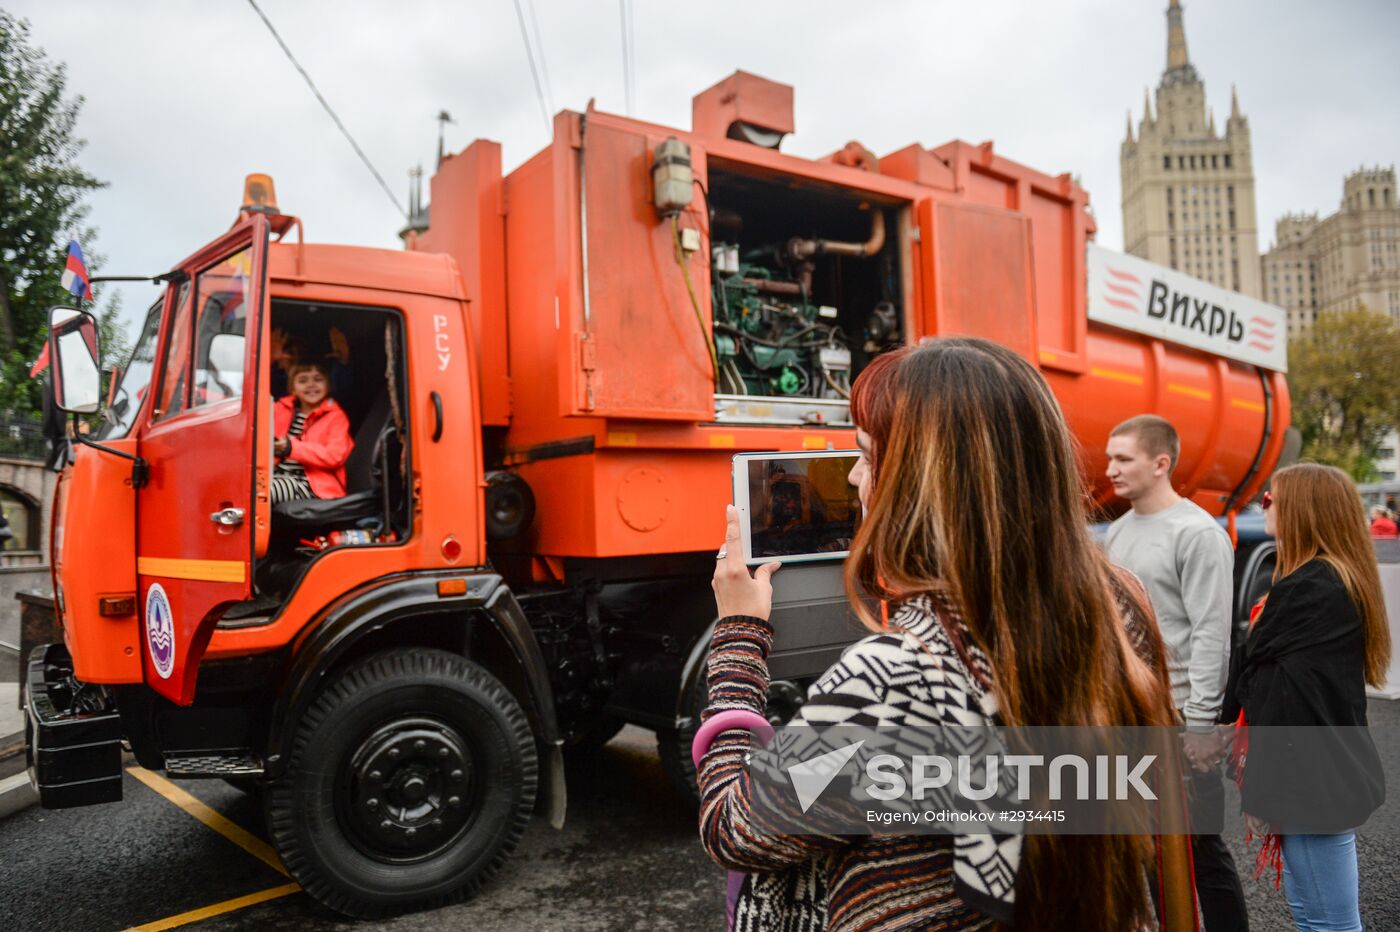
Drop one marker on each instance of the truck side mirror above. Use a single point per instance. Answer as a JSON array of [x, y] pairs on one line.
[[77, 379]]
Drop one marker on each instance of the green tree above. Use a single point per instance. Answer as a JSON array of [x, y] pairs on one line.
[[1344, 379], [41, 205]]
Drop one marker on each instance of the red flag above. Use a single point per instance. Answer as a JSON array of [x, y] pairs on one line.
[[42, 362]]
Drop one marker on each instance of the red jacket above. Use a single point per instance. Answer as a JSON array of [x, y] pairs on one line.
[[324, 444]]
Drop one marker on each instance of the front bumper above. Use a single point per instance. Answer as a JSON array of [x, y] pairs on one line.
[[73, 748]]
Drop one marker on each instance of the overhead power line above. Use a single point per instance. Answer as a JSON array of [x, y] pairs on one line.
[[544, 59], [534, 72], [624, 8], [341, 126]]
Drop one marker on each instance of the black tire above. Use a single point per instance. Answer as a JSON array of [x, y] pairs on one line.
[[673, 744], [673, 747], [409, 782]]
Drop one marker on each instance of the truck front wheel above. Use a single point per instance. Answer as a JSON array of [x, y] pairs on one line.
[[410, 780]]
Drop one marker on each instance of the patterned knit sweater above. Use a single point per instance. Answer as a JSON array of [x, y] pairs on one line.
[[910, 675]]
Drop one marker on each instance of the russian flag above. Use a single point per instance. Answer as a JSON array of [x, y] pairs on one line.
[[75, 273]]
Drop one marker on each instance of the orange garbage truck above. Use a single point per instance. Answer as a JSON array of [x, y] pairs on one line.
[[544, 392]]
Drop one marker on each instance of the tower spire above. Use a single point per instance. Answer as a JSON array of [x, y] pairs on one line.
[[1130, 125], [1234, 104], [1176, 39], [1146, 106]]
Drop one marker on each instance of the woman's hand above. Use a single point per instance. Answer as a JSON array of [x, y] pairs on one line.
[[1256, 826], [736, 592], [278, 341]]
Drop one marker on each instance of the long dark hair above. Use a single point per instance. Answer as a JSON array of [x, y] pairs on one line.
[[979, 499], [1320, 516]]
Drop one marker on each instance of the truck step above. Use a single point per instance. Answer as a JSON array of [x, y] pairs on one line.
[[235, 762]]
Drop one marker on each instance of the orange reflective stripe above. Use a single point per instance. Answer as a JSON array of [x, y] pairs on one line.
[[206, 570]]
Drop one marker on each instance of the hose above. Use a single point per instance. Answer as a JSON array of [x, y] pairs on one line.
[[694, 301], [785, 343], [835, 386]]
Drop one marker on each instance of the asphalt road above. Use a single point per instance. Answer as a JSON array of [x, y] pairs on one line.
[[628, 859]]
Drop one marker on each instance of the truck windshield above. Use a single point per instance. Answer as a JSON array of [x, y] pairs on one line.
[[135, 379]]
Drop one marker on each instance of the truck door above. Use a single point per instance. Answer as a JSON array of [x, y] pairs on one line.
[[641, 352], [978, 277], [195, 514]]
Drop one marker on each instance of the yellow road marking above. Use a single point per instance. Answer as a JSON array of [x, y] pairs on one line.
[[207, 570], [218, 909], [1247, 405], [1189, 391], [1115, 375], [234, 833]]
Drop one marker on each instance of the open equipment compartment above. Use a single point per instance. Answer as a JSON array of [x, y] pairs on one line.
[[807, 286]]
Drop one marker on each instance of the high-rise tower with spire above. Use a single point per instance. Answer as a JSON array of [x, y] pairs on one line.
[[1188, 190]]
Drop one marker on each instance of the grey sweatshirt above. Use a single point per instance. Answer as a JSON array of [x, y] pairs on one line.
[[1187, 563]]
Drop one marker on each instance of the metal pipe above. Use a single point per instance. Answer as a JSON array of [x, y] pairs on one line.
[[772, 287], [583, 217], [806, 248]]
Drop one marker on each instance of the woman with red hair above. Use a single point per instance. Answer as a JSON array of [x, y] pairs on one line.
[[1002, 610], [1321, 638]]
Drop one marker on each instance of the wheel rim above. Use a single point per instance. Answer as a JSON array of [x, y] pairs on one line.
[[410, 790]]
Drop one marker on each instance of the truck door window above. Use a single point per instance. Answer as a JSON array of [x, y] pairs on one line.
[[174, 380], [135, 378], [222, 293]]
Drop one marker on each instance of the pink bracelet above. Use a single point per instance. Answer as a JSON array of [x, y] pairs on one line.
[[725, 721]]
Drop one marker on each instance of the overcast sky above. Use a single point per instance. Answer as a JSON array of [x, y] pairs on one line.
[[183, 99]]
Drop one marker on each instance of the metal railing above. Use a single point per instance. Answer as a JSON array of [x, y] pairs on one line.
[[22, 437]]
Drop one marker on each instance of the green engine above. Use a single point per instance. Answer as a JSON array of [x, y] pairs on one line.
[[769, 337]]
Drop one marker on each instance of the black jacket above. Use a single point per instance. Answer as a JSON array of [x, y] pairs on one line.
[[1311, 766]]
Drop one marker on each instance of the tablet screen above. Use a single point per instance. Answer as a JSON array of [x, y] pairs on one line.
[[801, 506]]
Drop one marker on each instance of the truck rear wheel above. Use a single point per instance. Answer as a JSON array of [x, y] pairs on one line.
[[673, 746], [785, 698], [409, 782]]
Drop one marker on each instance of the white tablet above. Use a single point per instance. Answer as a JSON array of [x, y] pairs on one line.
[[796, 507]]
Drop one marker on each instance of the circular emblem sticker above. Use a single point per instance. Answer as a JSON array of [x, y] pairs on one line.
[[160, 630]]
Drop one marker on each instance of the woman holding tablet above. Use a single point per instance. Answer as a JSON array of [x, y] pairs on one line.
[[1001, 610]]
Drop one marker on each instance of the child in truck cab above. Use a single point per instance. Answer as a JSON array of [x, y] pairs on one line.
[[312, 437]]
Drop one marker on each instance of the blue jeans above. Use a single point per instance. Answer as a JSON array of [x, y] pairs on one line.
[[1320, 880]]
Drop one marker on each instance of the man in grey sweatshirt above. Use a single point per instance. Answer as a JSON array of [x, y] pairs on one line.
[[1186, 561]]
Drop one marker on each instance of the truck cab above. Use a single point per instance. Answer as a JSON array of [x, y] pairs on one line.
[[218, 634]]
